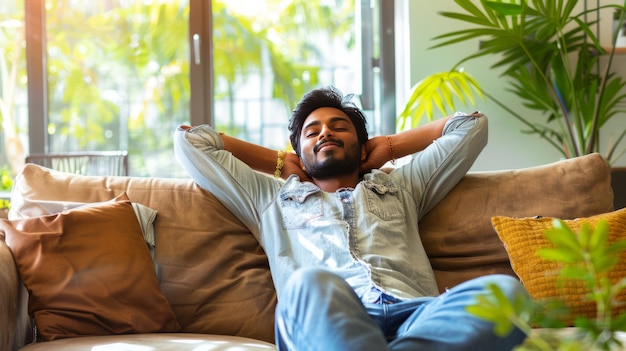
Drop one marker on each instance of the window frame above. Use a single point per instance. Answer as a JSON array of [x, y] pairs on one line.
[[201, 66]]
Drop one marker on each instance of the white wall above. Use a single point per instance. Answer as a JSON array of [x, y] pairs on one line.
[[508, 147]]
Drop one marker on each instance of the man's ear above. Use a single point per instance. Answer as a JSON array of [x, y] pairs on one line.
[[363, 153]]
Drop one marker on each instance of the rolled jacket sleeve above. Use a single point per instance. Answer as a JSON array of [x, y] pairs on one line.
[[200, 150], [433, 172]]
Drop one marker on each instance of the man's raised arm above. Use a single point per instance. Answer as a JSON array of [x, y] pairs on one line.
[[261, 158], [384, 148]]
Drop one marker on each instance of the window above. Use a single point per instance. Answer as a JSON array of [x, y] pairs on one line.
[[122, 74], [13, 96], [116, 78]]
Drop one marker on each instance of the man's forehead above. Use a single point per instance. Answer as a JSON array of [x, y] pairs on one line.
[[325, 114]]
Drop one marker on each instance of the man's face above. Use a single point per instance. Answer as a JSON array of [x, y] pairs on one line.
[[329, 145]]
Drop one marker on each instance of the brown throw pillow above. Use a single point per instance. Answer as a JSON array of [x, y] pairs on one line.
[[523, 237], [89, 272]]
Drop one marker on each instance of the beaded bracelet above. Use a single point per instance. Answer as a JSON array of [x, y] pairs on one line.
[[393, 154], [279, 164]]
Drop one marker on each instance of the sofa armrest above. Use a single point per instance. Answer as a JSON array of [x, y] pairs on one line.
[[9, 297]]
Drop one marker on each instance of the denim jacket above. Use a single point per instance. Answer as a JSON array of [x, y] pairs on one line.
[[368, 235]]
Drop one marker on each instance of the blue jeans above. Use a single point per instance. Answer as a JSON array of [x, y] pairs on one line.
[[319, 311]]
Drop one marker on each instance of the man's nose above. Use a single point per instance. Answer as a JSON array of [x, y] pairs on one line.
[[325, 132]]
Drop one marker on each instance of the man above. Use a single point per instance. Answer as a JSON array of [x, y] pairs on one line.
[[342, 242]]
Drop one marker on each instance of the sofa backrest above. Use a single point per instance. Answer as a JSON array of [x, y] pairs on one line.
[[458, 236], [213, 272], [216, 276]]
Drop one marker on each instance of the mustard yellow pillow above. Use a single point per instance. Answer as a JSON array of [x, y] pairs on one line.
[[523, 237]]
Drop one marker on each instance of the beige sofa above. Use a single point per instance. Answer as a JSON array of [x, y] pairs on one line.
[[216, 278]]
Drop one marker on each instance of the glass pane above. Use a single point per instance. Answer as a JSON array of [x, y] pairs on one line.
[[118, 79], [13, 98], [268, 53]]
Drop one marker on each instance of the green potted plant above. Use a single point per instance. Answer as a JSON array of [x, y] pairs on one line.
[[555, 65], [586, 256]]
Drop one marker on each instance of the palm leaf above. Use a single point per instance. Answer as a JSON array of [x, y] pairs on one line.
[[533, 42], [438, 91]]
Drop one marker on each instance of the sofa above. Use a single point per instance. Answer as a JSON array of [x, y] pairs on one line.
[[213, 274]]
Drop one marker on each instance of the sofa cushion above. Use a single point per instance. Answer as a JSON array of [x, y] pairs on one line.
[[154, 342], [214, 273], [523, 237], [458, 236], [88, 272]]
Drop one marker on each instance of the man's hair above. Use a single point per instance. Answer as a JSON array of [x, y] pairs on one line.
[[325, 97]]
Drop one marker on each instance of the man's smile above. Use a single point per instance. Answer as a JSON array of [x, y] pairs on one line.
[[325, 144]]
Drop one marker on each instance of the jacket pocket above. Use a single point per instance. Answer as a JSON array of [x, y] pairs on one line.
[[297, 211], [383, 201]]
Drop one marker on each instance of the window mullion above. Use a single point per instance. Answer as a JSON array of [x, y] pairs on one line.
[[201, 62], [37, 75], [387, 67]]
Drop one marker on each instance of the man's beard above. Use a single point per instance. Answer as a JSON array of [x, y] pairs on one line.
[[332, 167]]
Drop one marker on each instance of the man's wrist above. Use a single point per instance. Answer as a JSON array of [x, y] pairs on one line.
[[392, 153], [280, 163]]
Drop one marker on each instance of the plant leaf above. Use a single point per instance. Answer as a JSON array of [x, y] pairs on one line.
[[438, 91]]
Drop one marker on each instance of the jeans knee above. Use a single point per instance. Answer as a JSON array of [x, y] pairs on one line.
[[310, 291], [509, 285], [305, 278], [308, 283]]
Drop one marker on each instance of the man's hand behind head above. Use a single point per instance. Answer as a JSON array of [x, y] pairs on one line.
[[377, 154], [292, 165]]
